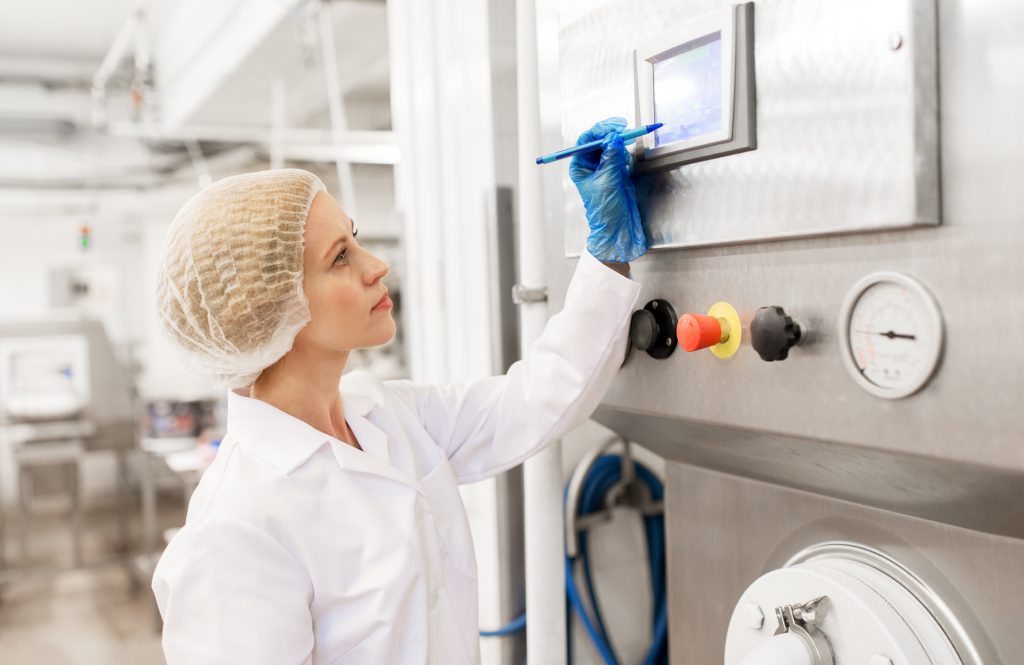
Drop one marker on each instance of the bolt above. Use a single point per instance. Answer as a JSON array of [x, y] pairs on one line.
[[895, 41], [879, 659], [753, 617]]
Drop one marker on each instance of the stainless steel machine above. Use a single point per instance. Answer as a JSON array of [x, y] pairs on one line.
[[836, 230], [63, 393]]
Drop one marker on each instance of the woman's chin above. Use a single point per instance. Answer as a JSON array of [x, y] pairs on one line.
[[387, 333]]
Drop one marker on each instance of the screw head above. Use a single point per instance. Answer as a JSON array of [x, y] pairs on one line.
[[895, 41], [753, 617]]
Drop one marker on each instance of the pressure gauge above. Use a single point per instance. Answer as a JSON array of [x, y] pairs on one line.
[[890, 329]]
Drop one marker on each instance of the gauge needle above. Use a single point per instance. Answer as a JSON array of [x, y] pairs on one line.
[[890, 334]]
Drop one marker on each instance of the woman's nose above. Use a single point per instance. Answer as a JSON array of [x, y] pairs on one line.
[[376, 269]]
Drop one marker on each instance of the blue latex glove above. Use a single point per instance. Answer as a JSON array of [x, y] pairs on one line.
[[606, 187]]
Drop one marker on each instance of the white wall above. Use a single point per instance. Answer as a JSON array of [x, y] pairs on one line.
[[34, 246]]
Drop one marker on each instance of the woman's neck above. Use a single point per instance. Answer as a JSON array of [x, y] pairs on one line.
[[306, 385]]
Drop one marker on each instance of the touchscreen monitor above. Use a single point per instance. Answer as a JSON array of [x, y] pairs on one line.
[[688, 91]]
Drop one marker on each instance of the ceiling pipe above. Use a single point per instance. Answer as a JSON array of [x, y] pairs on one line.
[[131, 33], [299, 144], [199, 164], [48, 72], [336, 105], [257, 134]]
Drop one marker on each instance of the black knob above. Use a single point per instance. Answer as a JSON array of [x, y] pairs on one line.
[[773, 333], [643, 330], [653, 329]]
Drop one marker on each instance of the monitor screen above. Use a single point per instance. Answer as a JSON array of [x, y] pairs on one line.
[[49, 367], [688, 91]]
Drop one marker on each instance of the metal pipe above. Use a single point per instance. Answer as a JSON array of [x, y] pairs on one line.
[[300, 144], [337, 108], [114, 56], [352, 154], [142, 92], [131, 182], [255, 134], [542, 480], [199, 164]]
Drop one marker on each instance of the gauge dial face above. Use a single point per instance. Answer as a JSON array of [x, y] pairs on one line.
[[892, 331]]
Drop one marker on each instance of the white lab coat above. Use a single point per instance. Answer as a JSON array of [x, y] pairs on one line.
[[301, 549]]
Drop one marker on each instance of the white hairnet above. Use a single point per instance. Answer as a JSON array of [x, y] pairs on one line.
[[229, 288]]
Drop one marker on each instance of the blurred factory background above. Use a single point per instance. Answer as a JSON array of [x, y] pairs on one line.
[[112, 114]]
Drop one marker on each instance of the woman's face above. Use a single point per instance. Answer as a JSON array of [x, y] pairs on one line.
[[343, 282]]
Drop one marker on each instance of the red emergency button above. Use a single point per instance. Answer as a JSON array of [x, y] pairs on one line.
[[698, 331]]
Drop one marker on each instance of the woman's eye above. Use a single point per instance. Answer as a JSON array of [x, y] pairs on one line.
[[340, 259]]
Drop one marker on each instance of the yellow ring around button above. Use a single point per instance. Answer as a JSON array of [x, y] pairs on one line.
[[724, 310]]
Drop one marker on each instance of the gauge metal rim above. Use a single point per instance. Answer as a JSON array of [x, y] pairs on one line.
[[943, 614], [935, 321]]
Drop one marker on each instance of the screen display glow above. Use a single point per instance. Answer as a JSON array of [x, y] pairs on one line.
[[688, 91]]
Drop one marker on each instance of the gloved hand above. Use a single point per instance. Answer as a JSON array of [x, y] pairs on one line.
[[606, 187]]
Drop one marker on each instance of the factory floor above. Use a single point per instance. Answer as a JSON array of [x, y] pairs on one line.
[[53, 613]]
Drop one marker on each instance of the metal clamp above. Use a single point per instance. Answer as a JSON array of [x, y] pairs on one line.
[[522, 294], [803, 620]]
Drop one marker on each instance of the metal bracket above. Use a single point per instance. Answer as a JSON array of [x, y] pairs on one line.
[[628, 492], [522, 294]]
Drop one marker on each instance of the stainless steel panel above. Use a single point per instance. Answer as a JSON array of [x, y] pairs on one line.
[[781, 455], [725, 532], [971, 496], [970, 412], [846, 123]]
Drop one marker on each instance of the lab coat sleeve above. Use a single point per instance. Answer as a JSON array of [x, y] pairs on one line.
[[491, 425], [230, 593]]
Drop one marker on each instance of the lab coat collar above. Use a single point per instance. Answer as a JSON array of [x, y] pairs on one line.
[[283, 440], [361, 393], [278, 438]]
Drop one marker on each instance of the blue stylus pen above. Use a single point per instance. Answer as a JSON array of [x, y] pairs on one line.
[[596, 145]]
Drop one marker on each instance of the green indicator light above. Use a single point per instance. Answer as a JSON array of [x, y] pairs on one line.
[[85, 242]]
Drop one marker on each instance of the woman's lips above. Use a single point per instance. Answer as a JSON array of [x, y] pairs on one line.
[[383, 303]]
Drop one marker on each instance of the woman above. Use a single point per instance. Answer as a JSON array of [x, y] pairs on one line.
[[329, 529]]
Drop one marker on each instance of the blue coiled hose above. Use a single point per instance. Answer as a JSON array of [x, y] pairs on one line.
[[601, 478]]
